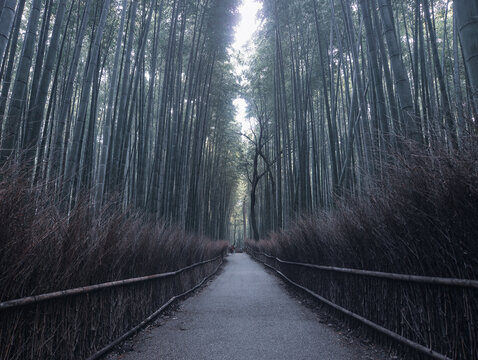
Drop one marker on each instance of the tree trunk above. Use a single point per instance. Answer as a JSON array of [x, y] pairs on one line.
[[100, 187], [58, 137], [457, 82], [466, 12], [11, 59], [441, 81], [6, 21], [14, 118], [402, 82], [73, 154], [377, 76], [35, 114]]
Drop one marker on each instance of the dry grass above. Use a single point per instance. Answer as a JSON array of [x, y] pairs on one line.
[[44, 250], [421, 219]]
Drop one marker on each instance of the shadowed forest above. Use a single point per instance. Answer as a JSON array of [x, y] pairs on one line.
[[123, 154]]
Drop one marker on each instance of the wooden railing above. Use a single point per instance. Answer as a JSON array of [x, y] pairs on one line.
[[87, 322], [434, 316]]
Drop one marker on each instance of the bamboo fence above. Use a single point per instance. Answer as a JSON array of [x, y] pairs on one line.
[[89, 321], [436, 317]]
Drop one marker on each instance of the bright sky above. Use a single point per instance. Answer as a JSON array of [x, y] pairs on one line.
[[242, 48]]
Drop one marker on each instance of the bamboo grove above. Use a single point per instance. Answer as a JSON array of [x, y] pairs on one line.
[[341, 88], [126, 100]]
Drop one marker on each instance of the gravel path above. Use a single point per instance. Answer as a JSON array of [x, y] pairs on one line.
[[243, 314]]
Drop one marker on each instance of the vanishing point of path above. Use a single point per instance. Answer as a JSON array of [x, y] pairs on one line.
[[243, 314]]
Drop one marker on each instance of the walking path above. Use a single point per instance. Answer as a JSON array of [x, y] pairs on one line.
[[243, 314]]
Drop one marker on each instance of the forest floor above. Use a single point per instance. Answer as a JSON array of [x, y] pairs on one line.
[[245, 313]]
